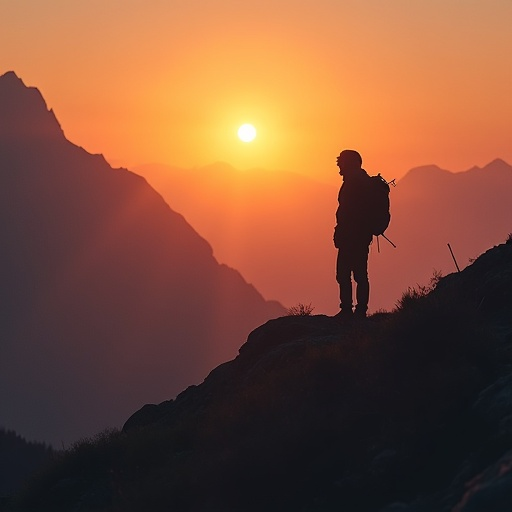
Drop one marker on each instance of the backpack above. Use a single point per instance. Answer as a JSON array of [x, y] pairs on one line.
[[378, 215]]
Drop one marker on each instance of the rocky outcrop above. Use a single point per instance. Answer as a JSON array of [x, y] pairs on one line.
[[268, 342]]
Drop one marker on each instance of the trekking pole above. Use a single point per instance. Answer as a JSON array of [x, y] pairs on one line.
[[453, 256], [388, 240]]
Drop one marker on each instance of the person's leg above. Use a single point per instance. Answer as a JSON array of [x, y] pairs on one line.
[[343, 276], [361, 278]]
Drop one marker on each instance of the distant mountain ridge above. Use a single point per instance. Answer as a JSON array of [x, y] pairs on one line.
[[432, 207], [498, 166], [108, 296], [287, 220]]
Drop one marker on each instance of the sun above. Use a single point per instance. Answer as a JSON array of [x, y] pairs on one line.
[[247, 132]]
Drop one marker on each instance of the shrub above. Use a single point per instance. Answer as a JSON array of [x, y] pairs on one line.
[[300, 310], [413, 294]]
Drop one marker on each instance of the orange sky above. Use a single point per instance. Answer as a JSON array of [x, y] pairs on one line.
[[170, 81]]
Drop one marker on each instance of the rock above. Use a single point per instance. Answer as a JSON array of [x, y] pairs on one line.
[[288, 329], [494, 403], [149, 413], [490, 491]]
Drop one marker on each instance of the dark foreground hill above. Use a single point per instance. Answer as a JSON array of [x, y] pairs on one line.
[[408, 411], [108, 297]]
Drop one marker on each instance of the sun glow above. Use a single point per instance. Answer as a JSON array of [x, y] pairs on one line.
[[247, 132]]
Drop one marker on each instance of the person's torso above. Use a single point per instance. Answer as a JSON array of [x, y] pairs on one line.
[[351, 215]]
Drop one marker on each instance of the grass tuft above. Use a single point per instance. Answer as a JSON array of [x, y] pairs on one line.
[[300, 310]]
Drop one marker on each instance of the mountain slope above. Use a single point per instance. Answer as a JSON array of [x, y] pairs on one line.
[[108, 297], [275, 225], [406, 411]]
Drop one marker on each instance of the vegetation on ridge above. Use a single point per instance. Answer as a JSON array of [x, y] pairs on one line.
[[331, 416]]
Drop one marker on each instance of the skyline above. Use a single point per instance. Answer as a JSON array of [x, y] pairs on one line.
[[169, 82]]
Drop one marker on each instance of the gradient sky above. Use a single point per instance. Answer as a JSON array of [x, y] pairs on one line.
[[405, 82]]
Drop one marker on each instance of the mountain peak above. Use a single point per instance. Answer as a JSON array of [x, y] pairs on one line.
[[497, 164], [24, 111], [10, 77], [12, 87], [425, 173]]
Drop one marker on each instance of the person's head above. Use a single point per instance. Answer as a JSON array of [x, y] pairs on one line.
[[349, 161]]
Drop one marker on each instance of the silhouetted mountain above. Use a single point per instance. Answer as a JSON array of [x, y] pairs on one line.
[[108, 297], [19, 459], [407, 411], [288, 221]]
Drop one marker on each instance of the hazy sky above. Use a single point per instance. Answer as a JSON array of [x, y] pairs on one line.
[[405, 82]]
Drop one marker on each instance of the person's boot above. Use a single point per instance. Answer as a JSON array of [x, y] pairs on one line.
[[344, 315], [359, 313]]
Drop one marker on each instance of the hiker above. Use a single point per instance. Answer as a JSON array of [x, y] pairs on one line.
[[352, 235]]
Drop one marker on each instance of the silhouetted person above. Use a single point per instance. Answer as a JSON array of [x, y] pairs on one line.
[[352, 235]]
